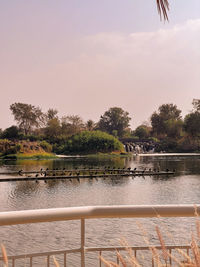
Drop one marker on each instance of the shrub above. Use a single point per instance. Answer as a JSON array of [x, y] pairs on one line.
[[11, 133], [167, 145], [9, 147], [46, 146], [92, 142]]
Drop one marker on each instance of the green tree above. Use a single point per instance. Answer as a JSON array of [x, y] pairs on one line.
[[11, 133], [92, 142], [142, 131], [167, 117], [192, 124], [115, 119], [51, 114], [71, 124], [46, 146], [90, 125], [174, 128], [27, 116], [53, 129]]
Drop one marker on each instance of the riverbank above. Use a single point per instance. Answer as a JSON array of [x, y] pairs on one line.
[[22, 149], [166, 154], [31, 156], [96, 155]]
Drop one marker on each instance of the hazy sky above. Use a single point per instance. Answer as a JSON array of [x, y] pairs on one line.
[[85, 56]]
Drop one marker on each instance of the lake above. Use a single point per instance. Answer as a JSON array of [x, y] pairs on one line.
[[181, 188]]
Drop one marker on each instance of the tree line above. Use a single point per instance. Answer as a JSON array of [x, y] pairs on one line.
[[166, 126]]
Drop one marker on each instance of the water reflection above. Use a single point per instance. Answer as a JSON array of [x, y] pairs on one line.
[[182, 188]]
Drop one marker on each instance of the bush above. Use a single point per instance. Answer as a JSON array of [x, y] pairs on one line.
[[8, 147], [142, 131], [11, 133], [188, 145], [46, 146], [167, 145], [92, 142], [31, 138]]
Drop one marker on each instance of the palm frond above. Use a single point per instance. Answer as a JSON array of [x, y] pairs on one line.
[[163, 8]]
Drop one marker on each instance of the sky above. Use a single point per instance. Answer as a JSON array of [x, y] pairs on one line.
[[82, 57]]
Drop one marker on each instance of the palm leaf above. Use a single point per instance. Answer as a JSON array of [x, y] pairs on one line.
[[163, 8]]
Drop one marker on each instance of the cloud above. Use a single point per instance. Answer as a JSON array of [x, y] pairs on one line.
[[137, 71], [140, 71]]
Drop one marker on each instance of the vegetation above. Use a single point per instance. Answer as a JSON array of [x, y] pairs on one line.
[[167, 130], [8, 147], [27, 116], [25, 149], [192, 124], [39, 155], [167, 121], [114, 121], [142, 131], [11, 133], [92, 142], [163, 8], [163, 256]]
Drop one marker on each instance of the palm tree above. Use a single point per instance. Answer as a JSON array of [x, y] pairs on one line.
[[163, 8], [90, 125]]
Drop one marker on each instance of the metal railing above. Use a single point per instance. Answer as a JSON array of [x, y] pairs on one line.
[[92, 212]]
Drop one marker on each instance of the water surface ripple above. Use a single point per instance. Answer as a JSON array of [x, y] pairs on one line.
[[182, 188]]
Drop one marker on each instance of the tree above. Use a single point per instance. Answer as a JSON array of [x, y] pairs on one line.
[[53, 129], [11, 133], [27, 116], [174, 128], [192, 120], [92, 142], [115, 119], [71, 124], [51, 114], [167, 117], [163, 8], [90, 125], [192, 124], [196, 104], [142, 131]]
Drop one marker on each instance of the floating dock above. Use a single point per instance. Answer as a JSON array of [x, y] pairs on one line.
[[79, 174]]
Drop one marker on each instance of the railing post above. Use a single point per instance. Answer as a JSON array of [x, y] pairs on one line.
[[82, 242]]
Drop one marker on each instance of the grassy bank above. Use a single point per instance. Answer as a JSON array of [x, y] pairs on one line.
[[32, 156], [23, 149]]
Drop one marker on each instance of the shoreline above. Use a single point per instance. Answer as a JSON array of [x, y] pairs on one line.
[[46, 156], [166, 154], [128, 155], [31, 156]]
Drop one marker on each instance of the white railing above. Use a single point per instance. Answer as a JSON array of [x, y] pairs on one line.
[[91, 212]]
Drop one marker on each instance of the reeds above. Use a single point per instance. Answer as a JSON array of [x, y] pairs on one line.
[[4, 254], [162, 257], [35, 155]]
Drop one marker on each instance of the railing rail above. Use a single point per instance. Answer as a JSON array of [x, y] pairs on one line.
[[92, 212]]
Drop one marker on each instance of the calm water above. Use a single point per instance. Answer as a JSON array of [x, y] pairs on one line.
[[182, 188]]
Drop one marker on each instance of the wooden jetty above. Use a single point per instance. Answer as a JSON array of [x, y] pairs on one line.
[[79, 174], [68, 171], [65, 171]]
